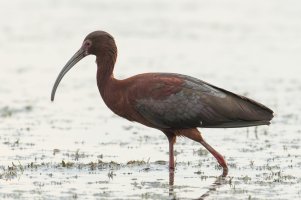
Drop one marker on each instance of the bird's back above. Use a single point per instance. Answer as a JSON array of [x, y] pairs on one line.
[[178, 101]]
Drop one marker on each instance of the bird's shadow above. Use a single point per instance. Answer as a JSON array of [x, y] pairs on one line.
[[219, 182]]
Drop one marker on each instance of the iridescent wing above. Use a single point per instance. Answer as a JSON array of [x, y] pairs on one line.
[[178, 101]]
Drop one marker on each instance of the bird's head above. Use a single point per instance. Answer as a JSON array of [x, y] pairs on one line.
[[98, 43]]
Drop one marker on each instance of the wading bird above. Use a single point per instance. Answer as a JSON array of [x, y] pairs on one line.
[[172, 103]]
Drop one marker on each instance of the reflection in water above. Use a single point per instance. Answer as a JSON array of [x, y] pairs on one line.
[[171, 183], [220, 180]]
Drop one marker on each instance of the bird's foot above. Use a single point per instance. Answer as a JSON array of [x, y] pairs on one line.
[[225, 171]]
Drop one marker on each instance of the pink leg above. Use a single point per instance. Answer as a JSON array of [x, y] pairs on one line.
[[217, 155], [171, 139], [195, 135]]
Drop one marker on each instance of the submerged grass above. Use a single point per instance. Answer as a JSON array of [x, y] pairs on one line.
[[7, 111], [12, 171]]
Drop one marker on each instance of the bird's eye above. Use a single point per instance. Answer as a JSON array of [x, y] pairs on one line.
[[87, 43]]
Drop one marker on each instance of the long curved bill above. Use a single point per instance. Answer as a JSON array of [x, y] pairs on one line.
[[80, 54]]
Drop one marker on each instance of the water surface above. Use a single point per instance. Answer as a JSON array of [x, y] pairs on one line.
[[77, 148]]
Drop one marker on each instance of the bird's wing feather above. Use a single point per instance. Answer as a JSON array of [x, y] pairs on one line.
[[178, 101]]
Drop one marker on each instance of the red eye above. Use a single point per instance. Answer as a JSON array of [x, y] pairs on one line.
[[88, 43]]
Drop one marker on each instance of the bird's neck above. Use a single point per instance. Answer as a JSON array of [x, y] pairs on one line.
[[105, 77], [105, 61], [109, 87]]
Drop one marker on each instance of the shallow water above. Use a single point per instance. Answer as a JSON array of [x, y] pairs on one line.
[[76, 148]]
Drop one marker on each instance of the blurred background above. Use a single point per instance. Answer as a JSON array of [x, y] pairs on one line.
[[250, 47]]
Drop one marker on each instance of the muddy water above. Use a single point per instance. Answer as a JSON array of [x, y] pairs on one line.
[[76, 148]]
